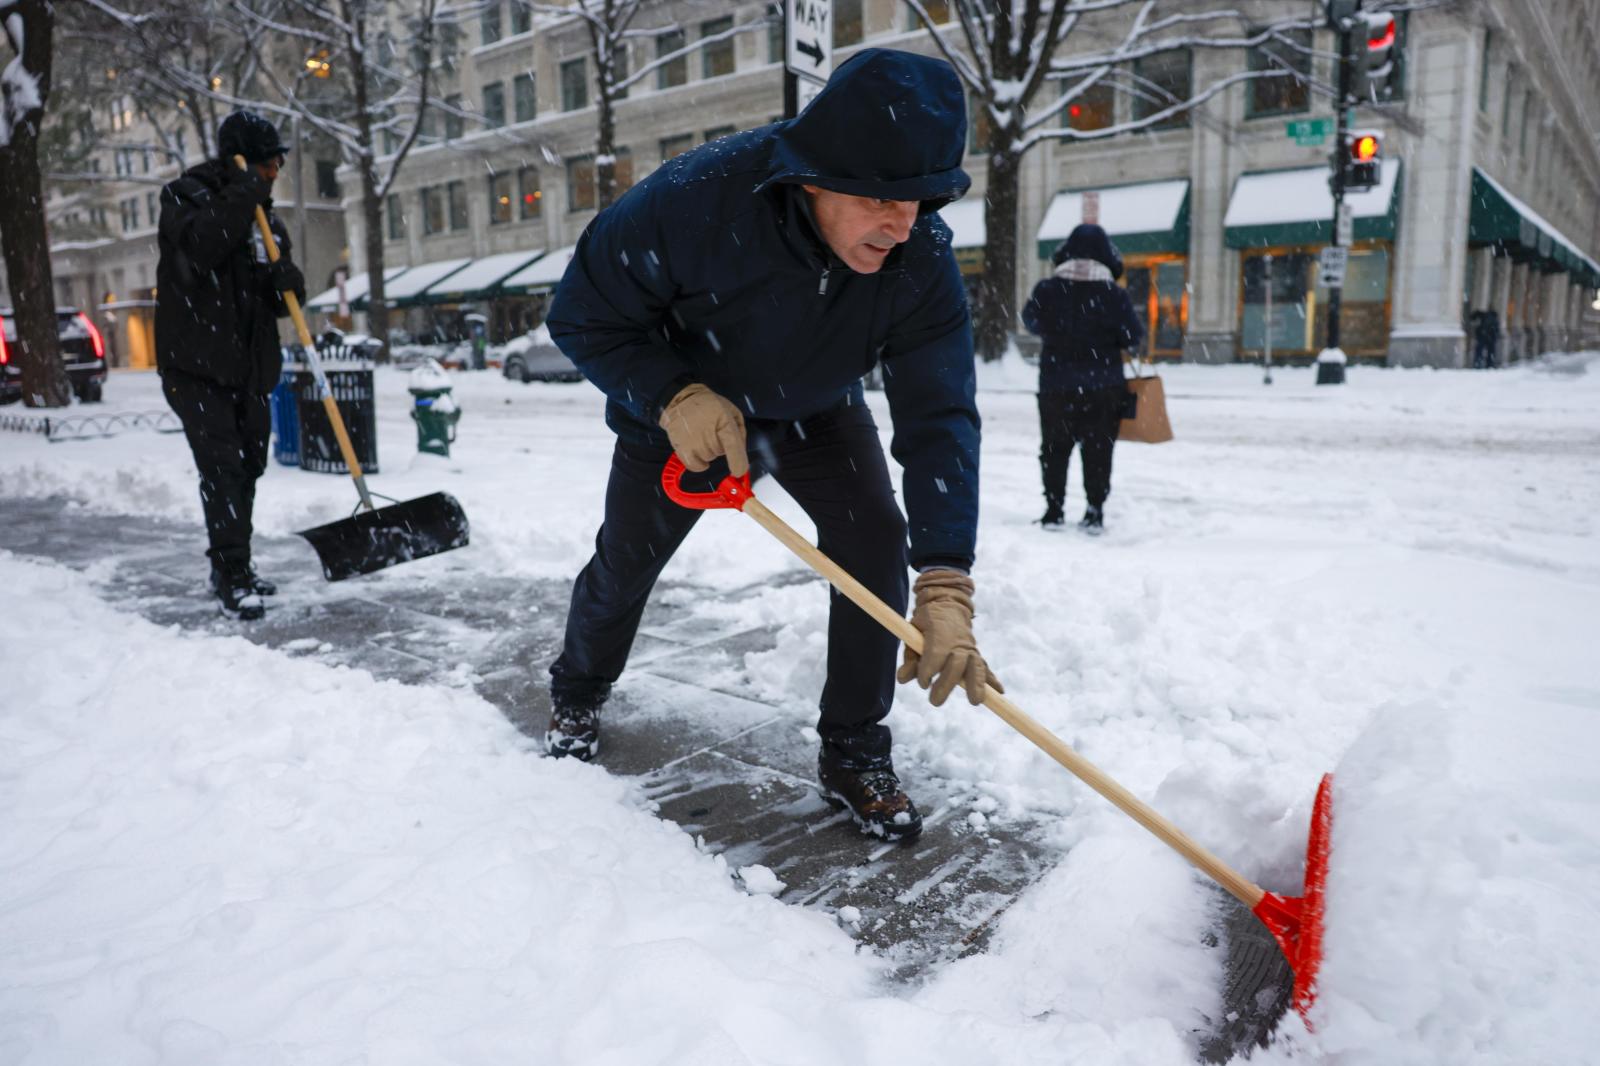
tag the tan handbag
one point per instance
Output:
(1149, 423)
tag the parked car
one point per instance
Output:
(83, 351)
(534, 357)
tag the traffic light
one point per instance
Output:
(1362, 157)
(1372, 61)
(1339, 11)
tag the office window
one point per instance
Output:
(150, 208)
(619, 72)
(181, 141)
(1093, 109)
(846, 23)
(574, 85)
(720, 131)
(675, 146)
(432, 210)
(1289, 50)
(453, 126)
(395, 215)
(622, 170)
(977, 126)
(938, 11)
(716, 59)
(1527, 121)
(580, 183)
(775, 35)
(500, 193)
(521, 17)
(391, 143)
(1483, 74)
(529, 193)
(1161, 81)
(494, 104)
(677, 71)
(524, 99)
(144, 161)
(491, 22)
(458, 205)
(328, 179)
(1505, 104)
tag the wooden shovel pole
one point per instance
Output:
(329, 405)
(1241, 887)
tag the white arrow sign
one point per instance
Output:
(808, 38)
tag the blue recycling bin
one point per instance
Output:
(286, 418)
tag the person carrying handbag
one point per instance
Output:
(1085, 320)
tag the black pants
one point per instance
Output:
(228, 430)
(833, 466)
(1088, 419)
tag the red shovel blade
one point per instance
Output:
(1296, 921)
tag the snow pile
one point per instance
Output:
(1393, 580)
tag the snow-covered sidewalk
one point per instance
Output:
(213, 852)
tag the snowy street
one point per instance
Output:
(232, 851)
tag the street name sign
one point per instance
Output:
(1309, 130)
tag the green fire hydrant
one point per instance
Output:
(434, 410)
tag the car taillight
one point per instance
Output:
(5, 355)
(94, 335)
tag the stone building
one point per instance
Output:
(1486, 221)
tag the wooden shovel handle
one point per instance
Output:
(329, 405)
(1241, 887)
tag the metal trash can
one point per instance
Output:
(352, 388)
(285, 418)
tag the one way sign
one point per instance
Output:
(808, 38)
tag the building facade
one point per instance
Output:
(1482, 239)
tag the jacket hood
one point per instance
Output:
(1089, 241)
(888, 124)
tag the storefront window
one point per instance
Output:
(1287, 276)
(1157, 292)
(1299, 323)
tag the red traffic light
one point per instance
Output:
(1365, 148)
(1380, 33)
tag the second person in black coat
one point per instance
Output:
(1085, 320)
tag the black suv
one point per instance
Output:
(83, 351)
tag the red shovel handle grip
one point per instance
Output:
(734, 492)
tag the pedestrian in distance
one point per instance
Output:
(1085, 320)
(218, 301)
(728, 306)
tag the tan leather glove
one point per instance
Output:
(701, 426)
(943, 614)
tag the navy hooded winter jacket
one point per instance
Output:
(711, 271)
(1085, 325)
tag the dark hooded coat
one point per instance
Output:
(710, 270)
(1085, 325)
(217, 309)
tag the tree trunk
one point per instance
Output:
(23, 234)
(997, 290)
(372, 213)
(371, 201)
(606, 152)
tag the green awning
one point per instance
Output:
(1498, 219)
(1142, 218)
(479, 279)
(1276, 208)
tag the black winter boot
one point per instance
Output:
(261, 585)
(1092, 522)
(238, 598)
(574, 728)
(1054, 519)
(873, 797)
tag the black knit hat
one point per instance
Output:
(248, 134)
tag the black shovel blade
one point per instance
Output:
(372, 540)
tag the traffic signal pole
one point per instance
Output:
(1332, 372)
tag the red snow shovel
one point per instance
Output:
(1294, 921)
(373, 537)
